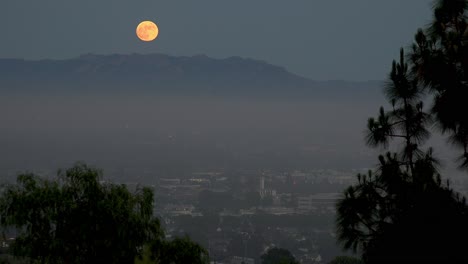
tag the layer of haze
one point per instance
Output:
(174, 134)
(322, 40)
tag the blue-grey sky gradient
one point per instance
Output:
(319, 39)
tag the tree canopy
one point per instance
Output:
(403, 211)
(278, 256)
(439, 64)
(179, 251)
(345, 260)
(78, 218)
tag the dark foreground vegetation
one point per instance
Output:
(77, 218)
(403, 211)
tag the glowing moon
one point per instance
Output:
(147, 31)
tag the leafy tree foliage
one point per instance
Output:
(77, 218)
(278, 256)
(403, 212)
(179, 251)
(345, 260)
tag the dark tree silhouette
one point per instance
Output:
(78, 218)
(278, 256)
(402, 212)
(440, 64)
(345, 260)
(178, 251)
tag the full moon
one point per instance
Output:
(147, 31)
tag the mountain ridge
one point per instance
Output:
(159, 72)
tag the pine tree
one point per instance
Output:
(402, 211)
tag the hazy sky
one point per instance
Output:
(319, 39)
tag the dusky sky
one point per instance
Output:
(318, 39)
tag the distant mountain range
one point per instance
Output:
(168, 74)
